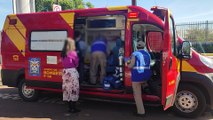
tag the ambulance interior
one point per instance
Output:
(112, 27)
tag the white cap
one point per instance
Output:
(140, 44)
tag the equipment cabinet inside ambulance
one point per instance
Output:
(32, 44)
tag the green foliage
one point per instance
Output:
(199, 34)
(66, 4)
(89, 5)
(46, 5)
(196, 34)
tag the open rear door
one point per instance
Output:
(170, 64)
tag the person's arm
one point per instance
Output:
(82, 45)
(74, 58)
(132, 62)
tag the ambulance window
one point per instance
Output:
(172, 35)
(138, 34)
(150, 34)
(155, 41)
(47, 40)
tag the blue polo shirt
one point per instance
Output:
(99, 45)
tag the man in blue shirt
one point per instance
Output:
(140, 70)
(98, 57)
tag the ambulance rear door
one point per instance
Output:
(43, 58)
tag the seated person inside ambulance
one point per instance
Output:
(98, 57)
(140, 70)
(117, 50)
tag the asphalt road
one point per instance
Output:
(50, 107)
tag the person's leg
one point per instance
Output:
(72, 107)
(102, 59)
(93, 68)
(138, 97)
(74, 87)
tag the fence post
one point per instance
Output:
(206, 30)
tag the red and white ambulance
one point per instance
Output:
(32, 43)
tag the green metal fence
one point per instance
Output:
(196, 31)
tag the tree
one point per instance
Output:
(89, 5)
(46, 5)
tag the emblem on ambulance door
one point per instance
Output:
(34, 66)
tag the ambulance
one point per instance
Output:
(181, 77)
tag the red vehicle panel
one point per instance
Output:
(31, 50)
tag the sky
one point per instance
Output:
(182, 10)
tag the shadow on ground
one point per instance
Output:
(91, 110)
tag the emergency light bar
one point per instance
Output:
(133, 15)
(159, 11)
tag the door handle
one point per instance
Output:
(170, 63)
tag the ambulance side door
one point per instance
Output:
(43, 61)
(43, 58)
(170, 63)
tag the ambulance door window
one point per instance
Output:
(47, 40)
(137, 34)
(173, 36)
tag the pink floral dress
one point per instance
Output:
(70, 76)
(70, 84)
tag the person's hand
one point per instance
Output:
(127, 63)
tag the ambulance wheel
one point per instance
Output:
(190, 102)
(27, 94)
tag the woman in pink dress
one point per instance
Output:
(70, 75)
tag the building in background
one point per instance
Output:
(23, 6)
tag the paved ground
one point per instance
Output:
(50, 107)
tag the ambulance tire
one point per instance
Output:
(190, 102)
(28, 95)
